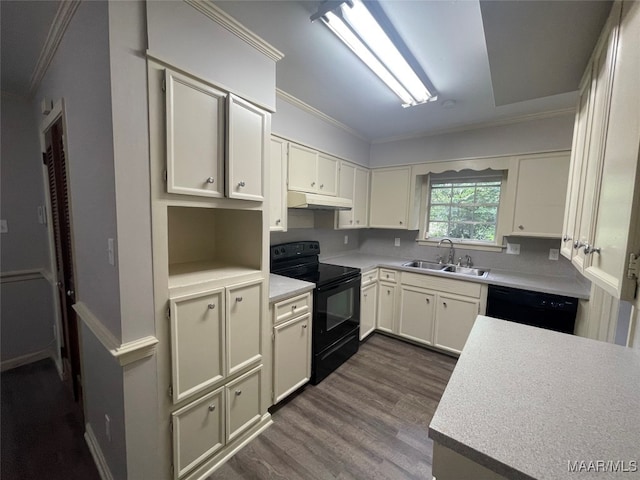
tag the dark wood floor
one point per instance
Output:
(368, 420)
(42, 430)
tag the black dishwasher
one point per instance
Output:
(544, 310)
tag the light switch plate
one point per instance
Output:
(4, 228)
(513, 248)
(396, 242)
(554, 253)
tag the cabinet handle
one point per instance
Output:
(238, 393)
(277, 221)
(388, 292)
(400, 222)
(387, 275)
(428, 301)
(212, 407)
(211, 306)
(241, 184)
(590, 249)
(444, 304)
(520, 227)
(304, 326)
(210, 180)
(322, 185)
(577, 245)
(294, 307)
(313, 184)
(566, 239)
(238, 299)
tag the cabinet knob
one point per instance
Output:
(238, 393)
(241, 184)
(304, 326)
(357, 221)
(278, 222)
(350, 221)
(212, 407)
(238, 299)
(211, 306)
(388, 292)
(400, 222)
(590, 249)
(70, 293)
(210, 180)
(444, 304)
(387, 275)
(577, 245)
(322, 185)
(365, 295)
(294, 307)
(428, 301)
(313, 184)
(566, 239)
(520, 227)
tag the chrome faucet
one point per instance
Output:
(468, 261)
(451, 249)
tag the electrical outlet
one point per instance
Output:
(346, 239)
(107, 427)
(111, 251)
(554, 253)
(513, 248)
(4, 228)
(396, 242)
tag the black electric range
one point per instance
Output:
(336, 303)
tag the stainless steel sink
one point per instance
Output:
(446, 268)
(426, 265)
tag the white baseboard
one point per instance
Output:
(26, 359)
(96, 453)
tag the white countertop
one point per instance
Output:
(284, 287)
(524, 401)
(566, 286)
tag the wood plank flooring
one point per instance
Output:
(42, 430)
(368, 420)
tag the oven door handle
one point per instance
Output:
(339, 284)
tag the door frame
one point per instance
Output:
(56, 113)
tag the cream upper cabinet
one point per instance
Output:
(278, 185)
(368, 303)
(417, 311)
(195, 126)
(248, 129)
(455, 316)
(354, 184)
(311, 171)
(541, 189)
(389, 206)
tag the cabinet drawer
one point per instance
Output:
(292, 307)
(459, 287)
(388, 275)
(243, 403)
(370, 276)
(198, 431)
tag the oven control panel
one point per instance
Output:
(294, 249)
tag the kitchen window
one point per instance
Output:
(464, 206)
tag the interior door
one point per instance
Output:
(55, 161)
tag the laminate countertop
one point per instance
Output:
(566, 286)
(525, 402)
(284, 287)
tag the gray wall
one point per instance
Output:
(331, 241)
(26, 314)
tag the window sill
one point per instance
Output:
(487, 247)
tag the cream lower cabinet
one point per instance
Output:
(387, 300)
(416, 314)
(389, 199)
(455, 316)
(291, 345)
(368, 303)
(243, 403)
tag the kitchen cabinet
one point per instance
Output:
(291, 345)
(354, 184)
(278, 186)
(605, 209)
(455, 316)
(368, 303)
(312, 171)
(244, 320)
(243, 403)
(417, 312)
(389, 199)
(196, 125)
(387, 300)
(541, 187)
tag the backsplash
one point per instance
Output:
(331, 241)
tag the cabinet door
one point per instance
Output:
(368, 309)
(327, 175)
(198, 432)
(291, 356)
(197, 342)
(347, 182)
(195, 137)
(389, 207)
(244, 323)
(302, 168)
(541, 190)
(248, 129)
(580, 138)
(277, 186)
(416, 314)
(361, 198)
(243, 403)
(454, 319)
(386, 306)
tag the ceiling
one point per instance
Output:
(495, 60)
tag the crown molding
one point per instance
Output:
(61, 21)
(208, 8)
(317, 113)
(477, 126)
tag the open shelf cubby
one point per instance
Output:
(211, 243)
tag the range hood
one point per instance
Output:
(312, 201)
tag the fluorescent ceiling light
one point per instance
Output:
(358, 29)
